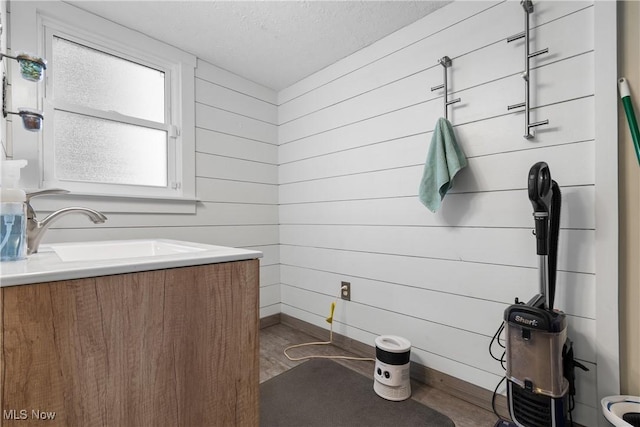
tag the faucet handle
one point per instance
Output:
(45, 192)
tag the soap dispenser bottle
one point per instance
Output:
(13, 225)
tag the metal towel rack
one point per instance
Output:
(527, 5)
(445, 61)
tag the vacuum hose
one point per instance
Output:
(554, 231)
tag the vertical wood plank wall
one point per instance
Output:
(353, 141)
(236, 181)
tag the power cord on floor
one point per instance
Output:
(319, 356)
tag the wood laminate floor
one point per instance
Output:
(274, 339)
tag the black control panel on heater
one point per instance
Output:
(396, 359)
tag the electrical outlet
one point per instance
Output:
(345, 291)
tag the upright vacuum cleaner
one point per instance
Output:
(539, 355)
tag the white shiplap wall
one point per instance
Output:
(236, 166)
(323, 179)
(353, 141)
(3, 71)
(236, 181)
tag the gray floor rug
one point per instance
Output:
(323, 393)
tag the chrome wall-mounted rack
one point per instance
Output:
(445, 61)
(527, 5)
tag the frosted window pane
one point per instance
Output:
(88, 149)
(94, 79)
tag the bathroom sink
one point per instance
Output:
(76, 260)
(99, 251)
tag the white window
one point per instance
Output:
(118, 108)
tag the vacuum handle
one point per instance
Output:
(539, 183)
(540, 194)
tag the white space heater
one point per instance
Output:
(391, 372)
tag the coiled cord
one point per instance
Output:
(319, 356)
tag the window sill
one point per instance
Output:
(117, 204)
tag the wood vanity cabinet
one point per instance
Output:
(174, 347)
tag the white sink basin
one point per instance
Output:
(99, 251)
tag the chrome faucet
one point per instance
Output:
(36, 229)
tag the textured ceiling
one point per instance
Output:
(273, 43)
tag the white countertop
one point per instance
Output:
(47, 265)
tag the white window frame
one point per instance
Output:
(173, 188)
(33, 26)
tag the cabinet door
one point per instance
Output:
(169, 347)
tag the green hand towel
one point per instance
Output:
(444, 160)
